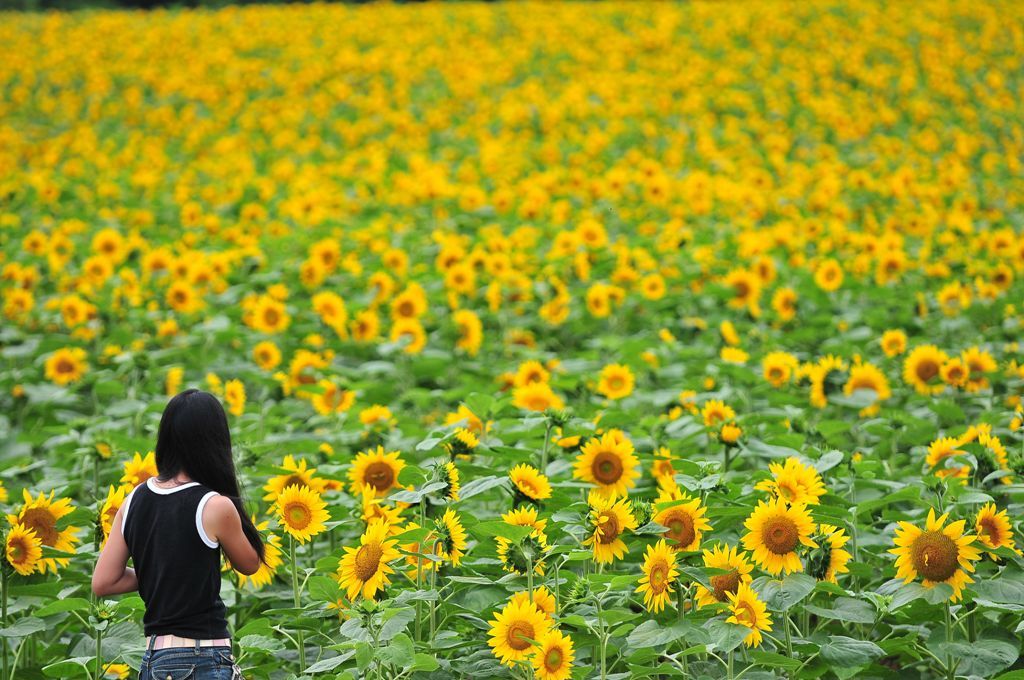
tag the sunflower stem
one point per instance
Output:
(544, 451)
(3, 604)
(730, 674)
(789, 636)
(299, 642)
(725, 462)
(99, 654)
(950, 670)
(681, 600)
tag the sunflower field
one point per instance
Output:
(617, 340)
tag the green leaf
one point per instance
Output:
(773, 660)
(325, 665)
(395, 621)
(480, 485)
(1003, 593)
(71, 604)
(23, 627)
(76, 667)
(651, 634)
(424, 662)
(782, 595)
(982, 658)
(493, 528)
(846, 609)
(262, 643)
(726, 636)
(847, 652)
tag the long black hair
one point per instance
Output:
(194, 438)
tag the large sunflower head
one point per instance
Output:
(375, 509)
(829, 558)
(554, 656)
(139, 469)
(922, 369)
(994, 528)
(41, 515)
(364, 570)
(295, 474)
(794, 482)
(529, 483)
(514, 630)
(24, 550)
(736, 571)
(114, 500)
(376, 469)
(616, 381)
(537, 396)
(716, 411)
(451, 537)
(939, 554)
(748, 610)
(301, 512)
(66, 365)
(609, 520)
(775, 531)
(659, 572)
(609, 463)
(684, 518)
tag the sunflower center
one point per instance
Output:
(989, 529)
(607, 468)
(787, 491)
(270, 316)
(935, 555)
(927, 369)
(745, 614)
(680, 528)
(298, 515)
(725, 583)
(44, 523)
(65, 366)
(608, 526)
(294, 480)
(553, 659)
(368, 561)
(659, 577)
(18, 551)
(380, 476)
(519, 635)
(780, 535)
(615, 382)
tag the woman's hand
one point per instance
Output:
(112, 575)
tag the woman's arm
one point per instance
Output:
(112, 575)
(222, 523)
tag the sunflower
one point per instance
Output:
(376, 468)
(530, 483)
(234, 394)
(514, 629)
(66, 365)
(662, 469)
(536, 397)
(609, 463)
(660, 572)
(609, 520)
(271, 560)
(994, 528)
(778, 367)
(864, 376)
(774, 532)
(416, 551)
(943, 448)
(24, 550)
(450, 476)
(462, 444)
(266, 355)
(374, 509)
(820, 375)
(298, 474)
(116, 671)
(301, 512)
(41, 516)
(554, 656)
(516, 558)
(364, 570)
(470, 331)
(267, 315)
(746, 289)
(451, 537)
(954, 372)
(939, 554)
(541, 597)
(828, 275)
(330, 399)
(139, 469)
(376, 414)
(715, 411)
(411, 332)
(685, 520)
(725, 558)
(922, 369)
(530, 372)
(115, 498)
(979, 362)
(793, 482)
(616, 381)
(894, 342)
(829, 558)
(748, 610)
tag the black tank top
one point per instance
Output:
(176, 563)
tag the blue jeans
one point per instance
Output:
(185, 663)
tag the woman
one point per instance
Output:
(174, 527)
